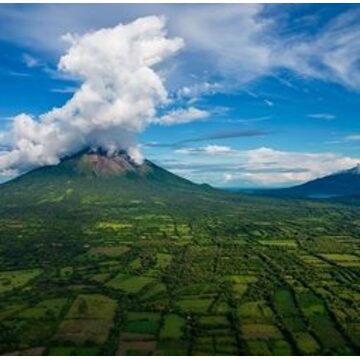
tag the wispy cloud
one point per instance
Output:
(245, 42)
(332, 54)
(235, 43)
(198, 89)
(208, 149)
(268, 103)
(352, 137)
(227, 134)
(6, 118)
(249, 120)
(65, 90)
(182, 116)
(322, 116)
(217, 135)
(345, 139)
(18, 73)
(30, 61)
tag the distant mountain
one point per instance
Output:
(341, 184)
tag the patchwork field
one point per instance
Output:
(155, 280)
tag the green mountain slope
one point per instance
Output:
(96, 177)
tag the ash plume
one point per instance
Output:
(118, 98)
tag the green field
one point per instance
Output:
(44, 309)
(129, 284)
(10, 280)
(142, 323)
(195, 304)
(173, 328)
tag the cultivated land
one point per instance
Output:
(201, 273)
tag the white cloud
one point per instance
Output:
(243, 43)
(230, 40)
(261, 166)
(236, 42)
(296, 167)
(118, 98)
(198, 89)
(182, 116)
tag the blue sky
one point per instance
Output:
(257, 95)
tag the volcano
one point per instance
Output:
(98, 177)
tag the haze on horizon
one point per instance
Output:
(235, 95)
